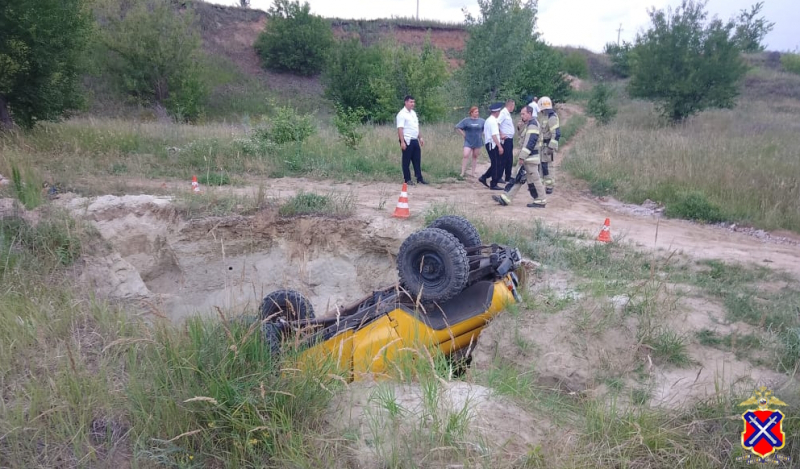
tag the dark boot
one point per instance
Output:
(533, 191)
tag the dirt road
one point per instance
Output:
(571, 207)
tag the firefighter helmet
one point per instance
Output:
(545, 103)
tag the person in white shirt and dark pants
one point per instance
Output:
(411, 142)
(506, 124)
(491, 138)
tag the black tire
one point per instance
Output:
(288, 305)
(459, 227)
(433, 262)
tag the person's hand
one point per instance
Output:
(500, 147)
(421, 142)
(522, 161)
(403, 145)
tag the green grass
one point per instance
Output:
(87, 382)
(70, 152)
(310, 203)
(716, 166)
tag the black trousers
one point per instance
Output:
(412, 155)
(494, 171)
(507, 158)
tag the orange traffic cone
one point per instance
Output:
(195, 184)
(605, 233)
(402, 204)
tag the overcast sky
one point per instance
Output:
(585, 23)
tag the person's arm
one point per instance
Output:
(400, 123)
(460, 128)
(402, 139)
(556, 129)
(500, 121)
(496, 139)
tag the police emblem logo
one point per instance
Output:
(763, 433)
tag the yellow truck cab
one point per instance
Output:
(450, 286)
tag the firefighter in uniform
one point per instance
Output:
(551, 134)
(529, 162)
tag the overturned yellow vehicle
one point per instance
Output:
(450, 286)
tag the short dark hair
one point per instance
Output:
(529, 109)
(408, 98)
(510, 100)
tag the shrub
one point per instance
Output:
(576, 64)
(294, 40)
(538, 74)
(620, 58)
(376, 78)
(348, 123)
(41, 42)
(308, 203)
(685, 65)
(599, 106)
(694, 206)
(27, 188)
(152, 51)
(751, 31)
(503, 29)
(791, 63)
(289, 126)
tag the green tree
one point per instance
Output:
(41, 42)
(620, 58)
(539, 73)
(294, 40)
(153, 53)
(496, 39)
(376, 78)
(751, 30)
(599, 105)
(684, 64)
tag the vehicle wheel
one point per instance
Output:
(286, 304)
(459, 227)
(433, 265)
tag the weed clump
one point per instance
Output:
(694, 206)
(310, 203)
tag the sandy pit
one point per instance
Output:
(181, 267)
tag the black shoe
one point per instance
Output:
(548, 190)
(422, 181)
(483, 181)
(410, 183)
(496, 188)
(535, 205)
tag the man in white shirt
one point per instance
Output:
(506, 124)
(410, 141)
(491, 139)
(534, 104)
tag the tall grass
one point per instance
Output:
(72, 151)
(736, 165)
(86, 383)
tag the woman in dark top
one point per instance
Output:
(471, 128)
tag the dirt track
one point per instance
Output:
(570, 207)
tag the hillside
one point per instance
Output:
(231, 31)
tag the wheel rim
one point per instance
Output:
(431, 267)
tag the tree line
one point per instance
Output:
(151, 51)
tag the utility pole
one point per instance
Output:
(618, 31)
(417, 10)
